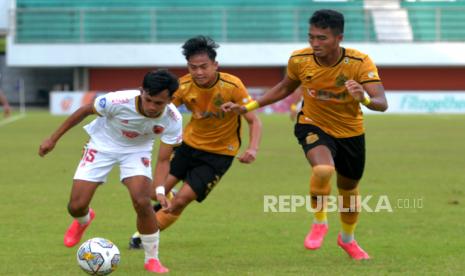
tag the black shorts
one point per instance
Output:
(348, 153)
(200, 169)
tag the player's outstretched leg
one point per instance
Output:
(75, 231)
(320, 188)
(135, 241)
(346, 238)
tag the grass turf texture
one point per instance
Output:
(408, 157)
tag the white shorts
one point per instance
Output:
(95, 166)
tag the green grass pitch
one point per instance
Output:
(410, 159)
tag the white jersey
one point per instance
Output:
(122, 128)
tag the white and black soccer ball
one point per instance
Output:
(98, 256)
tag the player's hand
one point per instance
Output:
(248, 156)
(233, 107)
(164, 202)
(46, 147)
(355, 89)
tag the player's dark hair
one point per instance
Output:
(158, 80)
(200, 45)
(328, 19)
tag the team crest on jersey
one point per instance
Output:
(311, 138)
(103, 102)
(341, 80)
(218, 100)
(145, 161)
(157, 129)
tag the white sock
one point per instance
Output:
(346, 237)
(150, 244)
(84, 219)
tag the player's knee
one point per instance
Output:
(142, 205)
(322, 173)
(321, 177)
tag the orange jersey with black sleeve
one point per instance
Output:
(210, 129)
(327, 103)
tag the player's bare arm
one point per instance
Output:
(281, 90)
(255, 133)
(74, 119)
(377, 99)
(162, 169)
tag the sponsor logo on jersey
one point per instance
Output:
(173, 115)
(157, 129)
(120, 101)
(125, 122)
(103, 102)
(130, 134)
(145, 161)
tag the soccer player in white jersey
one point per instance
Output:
(123, 134)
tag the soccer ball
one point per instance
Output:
(98, 256)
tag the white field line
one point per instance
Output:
(11, 119)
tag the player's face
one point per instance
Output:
(324, 42)
(202, 69)
(153, 106)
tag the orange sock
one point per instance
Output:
(164, 219)
(349, 219)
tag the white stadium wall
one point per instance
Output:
(230, 54)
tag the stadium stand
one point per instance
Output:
(436, 20)
(86, 21)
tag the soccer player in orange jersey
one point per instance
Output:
(335, 82)
(212, 137)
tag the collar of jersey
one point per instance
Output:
(211, 86)
(141, 112)
(343, 53)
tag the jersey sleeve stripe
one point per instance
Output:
(300, 55)
(368, 81)
(230, 82)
